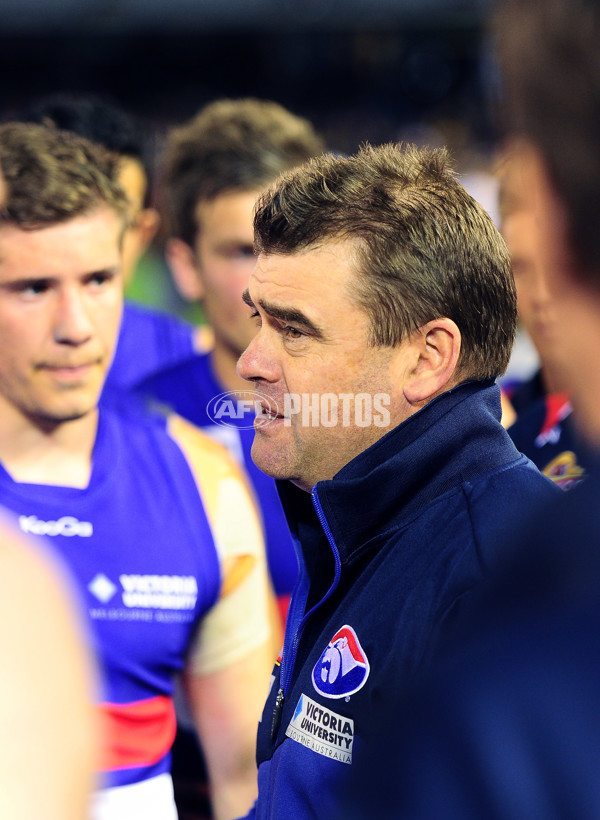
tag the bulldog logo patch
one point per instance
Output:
(343, 667)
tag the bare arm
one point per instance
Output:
(228, 668)
(48, 750)
(227, 681)
(227, 707)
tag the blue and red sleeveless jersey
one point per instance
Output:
(138, 543)
(149, 340)
(189, 390)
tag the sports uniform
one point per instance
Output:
(190, 389)
(149, 340)
(545, 433)
(148, 541)
(389, 548)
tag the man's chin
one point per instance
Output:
(55, 417)
(267, 462)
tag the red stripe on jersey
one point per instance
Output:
(136, 734)
(557, 408)
(283, 604)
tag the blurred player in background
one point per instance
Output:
(543, 428)
(216, 165)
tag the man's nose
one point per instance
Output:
(73, 323)
(541, 293)
(258, 361)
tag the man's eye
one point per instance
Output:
(239, 252)
(34, 288)
(100, 278)
(292, 332)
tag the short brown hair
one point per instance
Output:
(230, 145)
(550, 59)
(52, 176)
(426, 249)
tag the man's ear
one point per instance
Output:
(435, 349)
(148, 222)
(182, 262)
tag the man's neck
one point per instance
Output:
(59, 455)
(551, 381)
(224, 361)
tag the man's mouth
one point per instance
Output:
(69, 371)
(267, 411)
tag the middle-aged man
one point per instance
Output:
(153, 519)
(385, 309)
(507, 723)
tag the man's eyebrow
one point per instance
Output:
(246, 298)
(296, 317)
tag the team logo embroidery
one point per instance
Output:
(343, 667)
(564, 470)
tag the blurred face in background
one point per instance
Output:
(143, 222)
(572, 338)
(225, 259)
(521, 232)
(216, 270)
(533, 299)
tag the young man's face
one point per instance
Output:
(60, 308)
(225, 259)
(576, 306)
(533, 300)
(313, 340)
(143, 221)
(520, 229)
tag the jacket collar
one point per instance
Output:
(453, 438)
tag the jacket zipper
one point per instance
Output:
(288, 657)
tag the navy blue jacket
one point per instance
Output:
(505, 725)
(389, 549)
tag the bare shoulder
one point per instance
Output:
(200, 448)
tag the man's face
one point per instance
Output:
(313, 340)
(225, 260)
(60, 307)
(533, 300)
(576, 306)
(142, 221)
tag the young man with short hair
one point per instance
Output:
(149, 339)
(216, 165)
(140, 510)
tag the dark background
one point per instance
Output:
(359, 69)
